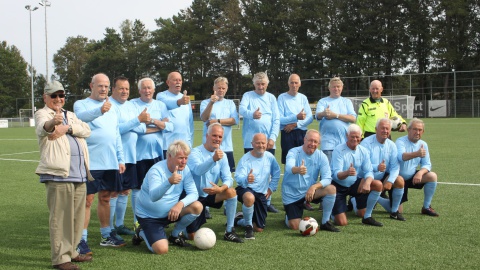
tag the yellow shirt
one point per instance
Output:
(371, 110)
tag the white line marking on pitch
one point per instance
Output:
(18, 139)
(459, 184)
(19, 153)
(22, 160)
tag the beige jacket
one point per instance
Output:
(55, 154)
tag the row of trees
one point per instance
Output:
(315, 38)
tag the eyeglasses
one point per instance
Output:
(57, 95)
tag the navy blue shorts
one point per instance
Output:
(246, 150)
(142, 168)
(295, 210)
(409, 184)
(231, 161)
(290, 140)
(129, 177)
(340, 205)
(201, 219)
(104, 180)
(154, 228)
(259, 207)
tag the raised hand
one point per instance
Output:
(218, 155)
(176, 177)
(422, 152)
(251, 177)
(58, 118)
(257, 114)
(301, 115)
(351, 170)
(302, 170)
(144, 117)
(185, 99)
(106, 106)
(382, 166)
(213, 98)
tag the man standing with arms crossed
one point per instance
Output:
(106, 156)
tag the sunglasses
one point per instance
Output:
(57, 95)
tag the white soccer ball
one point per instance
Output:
(205, 238)
(396, 123)
(308, 226)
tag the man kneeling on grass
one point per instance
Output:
(304, 164)
(159, 203)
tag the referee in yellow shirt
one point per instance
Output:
(375, 107)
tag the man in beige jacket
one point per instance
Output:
(64, 169)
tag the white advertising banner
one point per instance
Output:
(437, 108)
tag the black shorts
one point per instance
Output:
(231, 161)
(104, 180)
(201, 219)
(259, 207)
(290, 140)
(154, 228)
(295, 210)
(142, 168)
(129, 177)
(409, 184)
(340, 205)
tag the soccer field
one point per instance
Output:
(451, 241)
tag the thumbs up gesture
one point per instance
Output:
(58, 118)
(422, 152)
(106, 106)
(176, 177)
(382, 166)
(251, 177)
(257, 114)
(302, 170)
(218, 154)
(184, 100)
(144, 116)
(213, 98)
(301, 115)
(351, 170)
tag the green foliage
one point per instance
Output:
(14, 79)
(447, 242)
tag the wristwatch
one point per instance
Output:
(152, 121)
(218, 120)
(338, 115)
(69, 131)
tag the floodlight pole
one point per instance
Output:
(45, 4)
(30, 9)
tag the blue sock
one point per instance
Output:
(269, 200)
(134, 202)
(397, 194)
(230, 208)
(327, 203)
(113, 206)
(121, 209)
(354, 204)
(385, 203)
(105, 231)
(142, 234)
(371, 201)
(85, 234)
(247, 215)
(181, 224)
(428, 191)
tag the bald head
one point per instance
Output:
(376, 89)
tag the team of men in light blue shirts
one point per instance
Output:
(177, 182)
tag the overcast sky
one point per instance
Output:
(67, 18)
